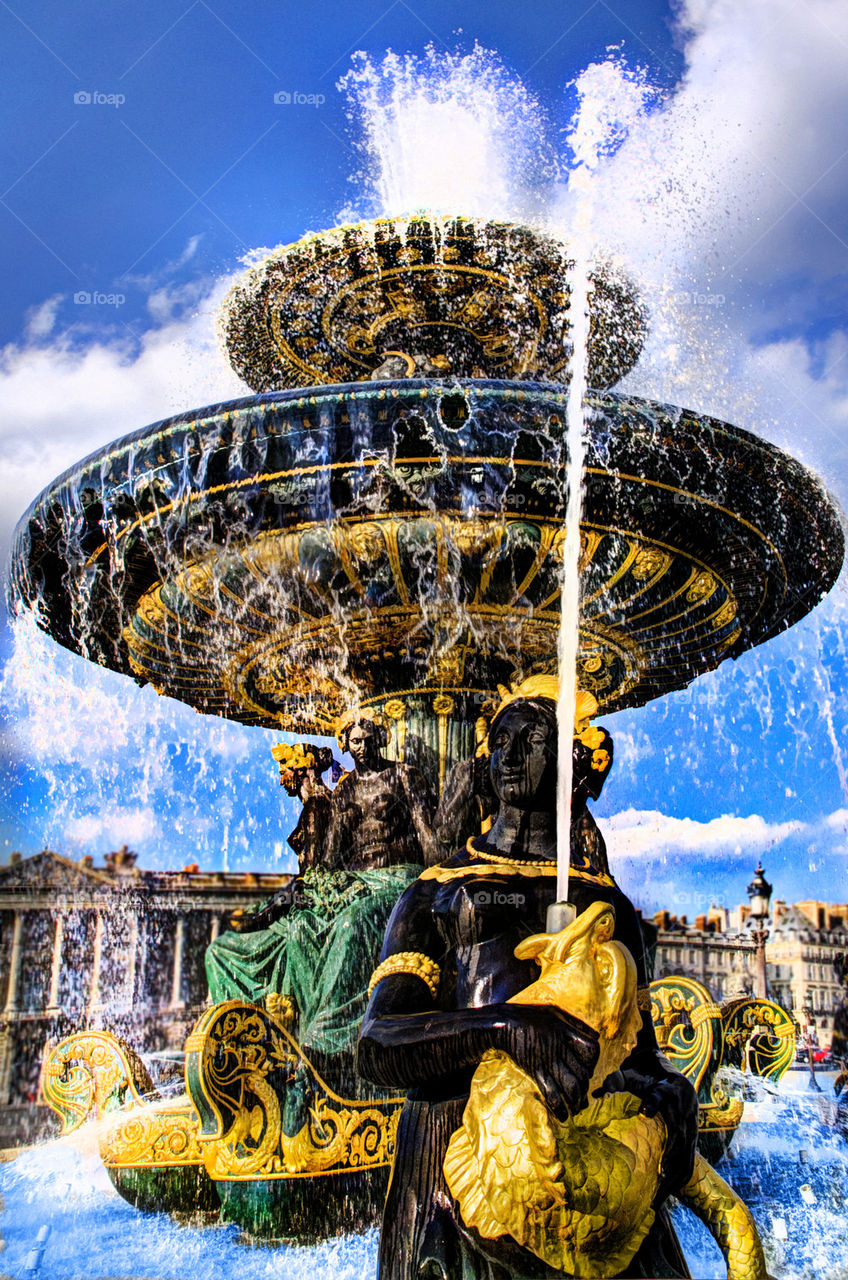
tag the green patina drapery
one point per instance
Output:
(321, 953)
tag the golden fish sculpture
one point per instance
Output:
(579, 1194)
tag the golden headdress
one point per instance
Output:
(547, 686)
(298, 755)
(355, 716)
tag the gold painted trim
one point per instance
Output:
(415, 963)
(431, 460)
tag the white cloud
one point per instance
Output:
(60, 400)
(755, 122)
(727, 201)
(41, 319)
(113, 827)
(648, 833)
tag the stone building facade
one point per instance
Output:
(111, 946)
(803, 949)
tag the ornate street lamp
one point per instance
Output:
(759, 895)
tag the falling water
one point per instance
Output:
(599, 126)
(568, 639)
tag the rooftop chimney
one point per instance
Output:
(121, 861)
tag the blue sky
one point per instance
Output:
(144, 155)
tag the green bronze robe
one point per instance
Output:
(321, 953)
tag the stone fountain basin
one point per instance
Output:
(276, 558)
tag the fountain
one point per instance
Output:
(379, 531)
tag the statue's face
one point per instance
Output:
(291, 779)
(523, 761)
(362, 743)
(288, 780)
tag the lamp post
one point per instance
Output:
(759, 894)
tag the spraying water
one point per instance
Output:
(608, 104)
(568, 640)
(498, 162)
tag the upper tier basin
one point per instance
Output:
(280, 558)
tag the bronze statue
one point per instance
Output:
(467, 803)
(310, 951)
(446, 994)
(302, 767)
(302, 772)
(382, 811)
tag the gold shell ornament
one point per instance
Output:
(580, 1194)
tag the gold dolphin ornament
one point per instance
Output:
(579, 1194)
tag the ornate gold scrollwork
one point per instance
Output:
(722, 1114)
(153, 1135)
(93, 1075)
(240, 1063)
(687, 1025)
(89, 1074)
(689, 1030)
(759, 1036)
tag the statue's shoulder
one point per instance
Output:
(456, 864)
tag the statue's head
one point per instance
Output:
(298, 760)
(522, 741)
(523, 754)
(363, 734)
